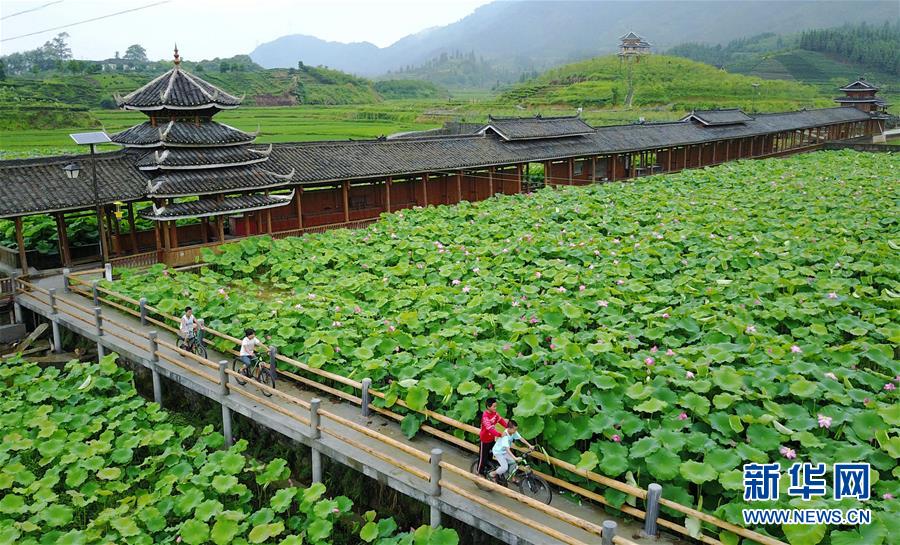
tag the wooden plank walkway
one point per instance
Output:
(395, 461)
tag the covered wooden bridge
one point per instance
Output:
(184, 181)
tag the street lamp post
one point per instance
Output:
(72, 170)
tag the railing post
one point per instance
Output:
(315, 434)
(154, 371)
(143, 306)
(54, 321)
(654, 493)
(17, 308)
(226, 411)
(95, 292)
(98, 320)
(366, 397)
(435, 489)
(107, 271)
(273, 359)
(609, 532)
(67, 286)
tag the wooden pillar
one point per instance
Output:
(459, 186)
(174, 225)
(518, 178)
(490, 182)
(63, 238)
(593, 169)
(20, 243)
(547, 173)
(131, 226)
(714, 145)
(387, 193)
(685, 157)
(259, 222)
(298, 202)
(571, 171)
(167, 235)
(346, 190)
(159, 245)
(247, 224)
(268, 218)
(425, 189)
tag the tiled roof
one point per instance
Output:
(30, 186)
(859, 85)
(40, 185)
(450, 128)
(630, 36)
(211, 207)
(178, 90)
(333, 161)
(718, 117)
(200, 158)
(525, 128)
(182, 133)
(183, 183)
(856, 100)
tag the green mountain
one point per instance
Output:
(660, 81)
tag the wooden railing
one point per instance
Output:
(219, 374)
(337, 385)
(9, 257)
(135, 261)
(7, 288)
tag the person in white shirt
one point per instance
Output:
(503, 453)
(188, 327)
(248, 346)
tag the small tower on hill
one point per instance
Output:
(633, 46)
(861, 95)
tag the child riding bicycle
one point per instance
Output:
(188, 328)
(248, 347)
(503, 453)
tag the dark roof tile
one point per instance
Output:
(182, 133)
(525, 128)
(210, 207)
(178, 90)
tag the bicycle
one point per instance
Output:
(256, 371)
(523, 477)
(195, 344)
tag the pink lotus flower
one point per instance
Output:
(689, 374)
(665, 315)
(456, 282)
(178, 539)
(337, 349)
(537, 274)
(796, 349)
(356, 309)
(670, 352)
(582, 287)
(788, 453)
(392, 328)
(649, 361)
(682, 416)
(654, 349)
(534, 319)
(887, 496)
(832, 295)
(603, 304)
(824, 421)
(561, 289)
(750, 329)
(596, 252)
(832, 376)
(336, 324)
(552, 346)
(515, 303)
(591, 266)
(298, 306)
(615, 261)
(165, 273)
(311, 296)
(615, 241)
(890, 386)
(476, 270)
(616, 438)
(620, 282)
(466, 289)
(507, 346)
(337, 309)
(757, 302)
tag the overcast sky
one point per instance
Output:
(205, 29)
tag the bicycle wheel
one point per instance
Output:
(536, 488)
(474, 470)
(198, 348)
(237, 365)
(263, 376)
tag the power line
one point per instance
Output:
(85, 21)
(24, 11)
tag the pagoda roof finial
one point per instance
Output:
(177, 59)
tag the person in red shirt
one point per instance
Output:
(489, 432)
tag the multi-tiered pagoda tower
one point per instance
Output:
(198, 168)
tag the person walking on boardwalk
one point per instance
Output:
(489, 432)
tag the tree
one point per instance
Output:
(135, 53)
(58, 48)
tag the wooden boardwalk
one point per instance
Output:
(373, 445)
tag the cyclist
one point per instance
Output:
(503, 453)
(188, 328)
(489, 432)
(248, 346)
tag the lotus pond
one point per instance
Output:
(84, 459)
(667, 330)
